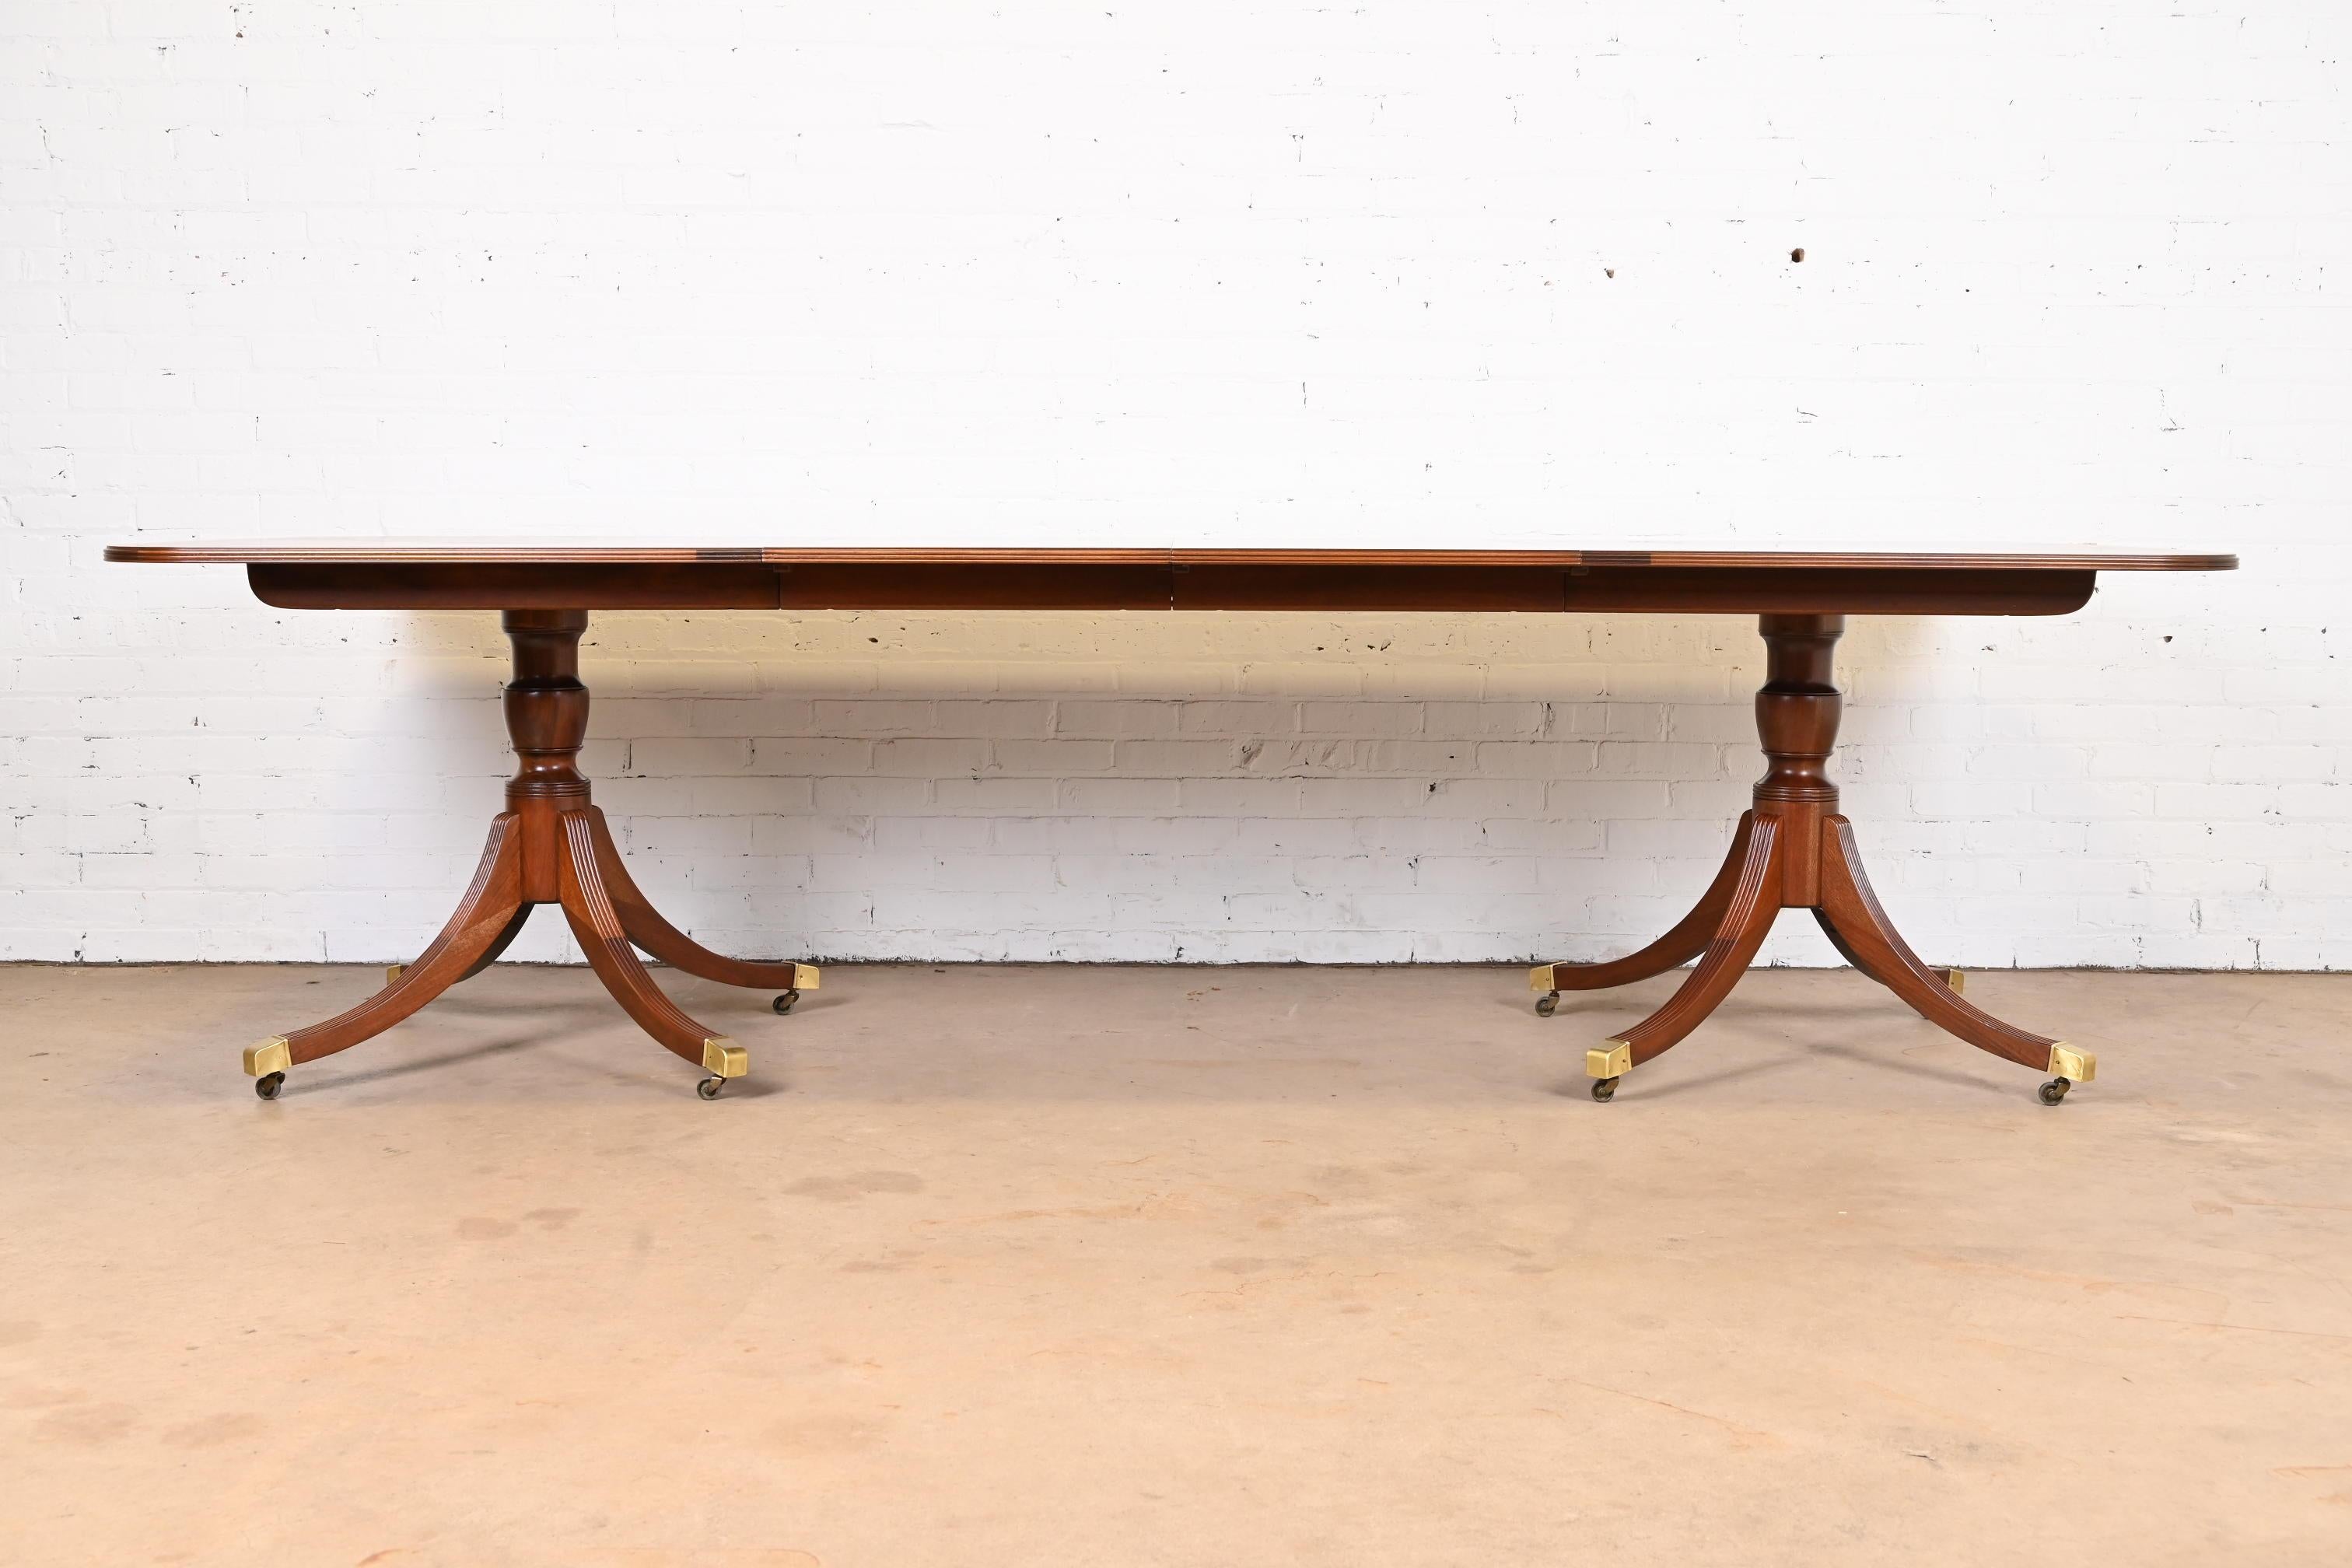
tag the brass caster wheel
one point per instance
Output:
(2056, 1090)
(784, 1003)
(709, 1087)
(268, 1084)
(1605, 1090)
(1547, 1005)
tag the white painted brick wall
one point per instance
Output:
(1404, 274)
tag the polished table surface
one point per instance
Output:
(395, 574)
(551, 845)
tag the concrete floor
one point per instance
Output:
(1044, 1267)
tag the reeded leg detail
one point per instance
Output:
(1954, 978)
(588, 905)
(484, 915)
(1746, 918)
(496, 949)
(644, 925)
(491, 954)
(1850, 912)
(1677, 947)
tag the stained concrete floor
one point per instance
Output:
(1046, 1267)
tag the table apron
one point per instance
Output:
(1078, 585)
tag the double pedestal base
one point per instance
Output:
(551, 845)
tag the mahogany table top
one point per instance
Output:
(456, 551)
(462, 574)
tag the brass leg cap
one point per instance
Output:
(392, 972)
(266, 1057)
(2067, 1062)
(1613, 1059)
(1539, 977)
(1958, 979)
(724, 1057)
(804, 977)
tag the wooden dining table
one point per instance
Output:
(1792, 849)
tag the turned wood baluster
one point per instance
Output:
(547, 719)
(1797, 715)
